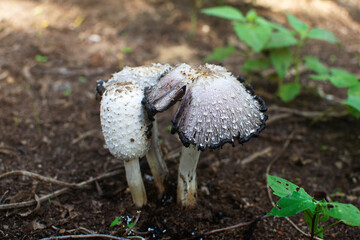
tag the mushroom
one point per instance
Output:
(215, 108)
(146, 77)
(124, 126)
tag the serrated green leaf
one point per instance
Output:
(298, 25)
(226, 12)
(220, 54)
(115, 222)
(283, 188)
(292, 205)
(281, 39)
(256, 64)
(319, 77)
(289, 91)
(342, 78)
(322, 34)
(281, 59)
(347, 213)
(314, 64)
(253, 34)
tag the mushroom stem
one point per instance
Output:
(156, 162)
(187, 185)
(135, 182)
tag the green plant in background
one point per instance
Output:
(269, 44)
(339, 78)
(294, 200)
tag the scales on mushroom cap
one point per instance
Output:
(215, 108)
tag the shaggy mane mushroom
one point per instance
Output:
(118, 116)
(215, 108)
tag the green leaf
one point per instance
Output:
(353, 100)
(40, 58)
(256, 64)
(319, 77)
(299, 26)
(289, 91)
(322, 34)
(292, 204)
(115, 222)
(251, 15)
(126, 50)
(220, 54)
(253, 34)
(342, 78)
(226, 12)
(281, 39)
(82, 79)
(354, 112)
(67, 92)
(269, 24)
(281, 59)
(282, 187)
(314, 64)
(347, 213)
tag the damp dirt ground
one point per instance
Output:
(53, 52)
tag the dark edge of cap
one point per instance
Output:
(186, 142)
(100, 89)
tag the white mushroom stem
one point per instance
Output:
(135, 182)
(156, 162)
(187, 185)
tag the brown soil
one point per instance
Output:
(49, 121)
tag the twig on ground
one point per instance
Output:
(243, 224)
(86, 236)
(58, 192)
(42, 178)
(136, 220)
(85, 134)
(9, 151)
(38, 204)
(87, 72)
(254, 156)
(4, 195)
(315, 115)
(268, 168)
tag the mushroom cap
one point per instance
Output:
(124, 122)
(215, 107)
(144, 76)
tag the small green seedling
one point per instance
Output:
(294, 200)
(41, 59)
(125, 223)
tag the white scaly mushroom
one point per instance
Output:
(215, 109)
(125, 126)
(146, 77)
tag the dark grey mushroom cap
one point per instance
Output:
(215, 107)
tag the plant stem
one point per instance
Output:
(297, 59)
(156, 162)
(187, 186)
(135, 182)
(327, 227)
(313, 225)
